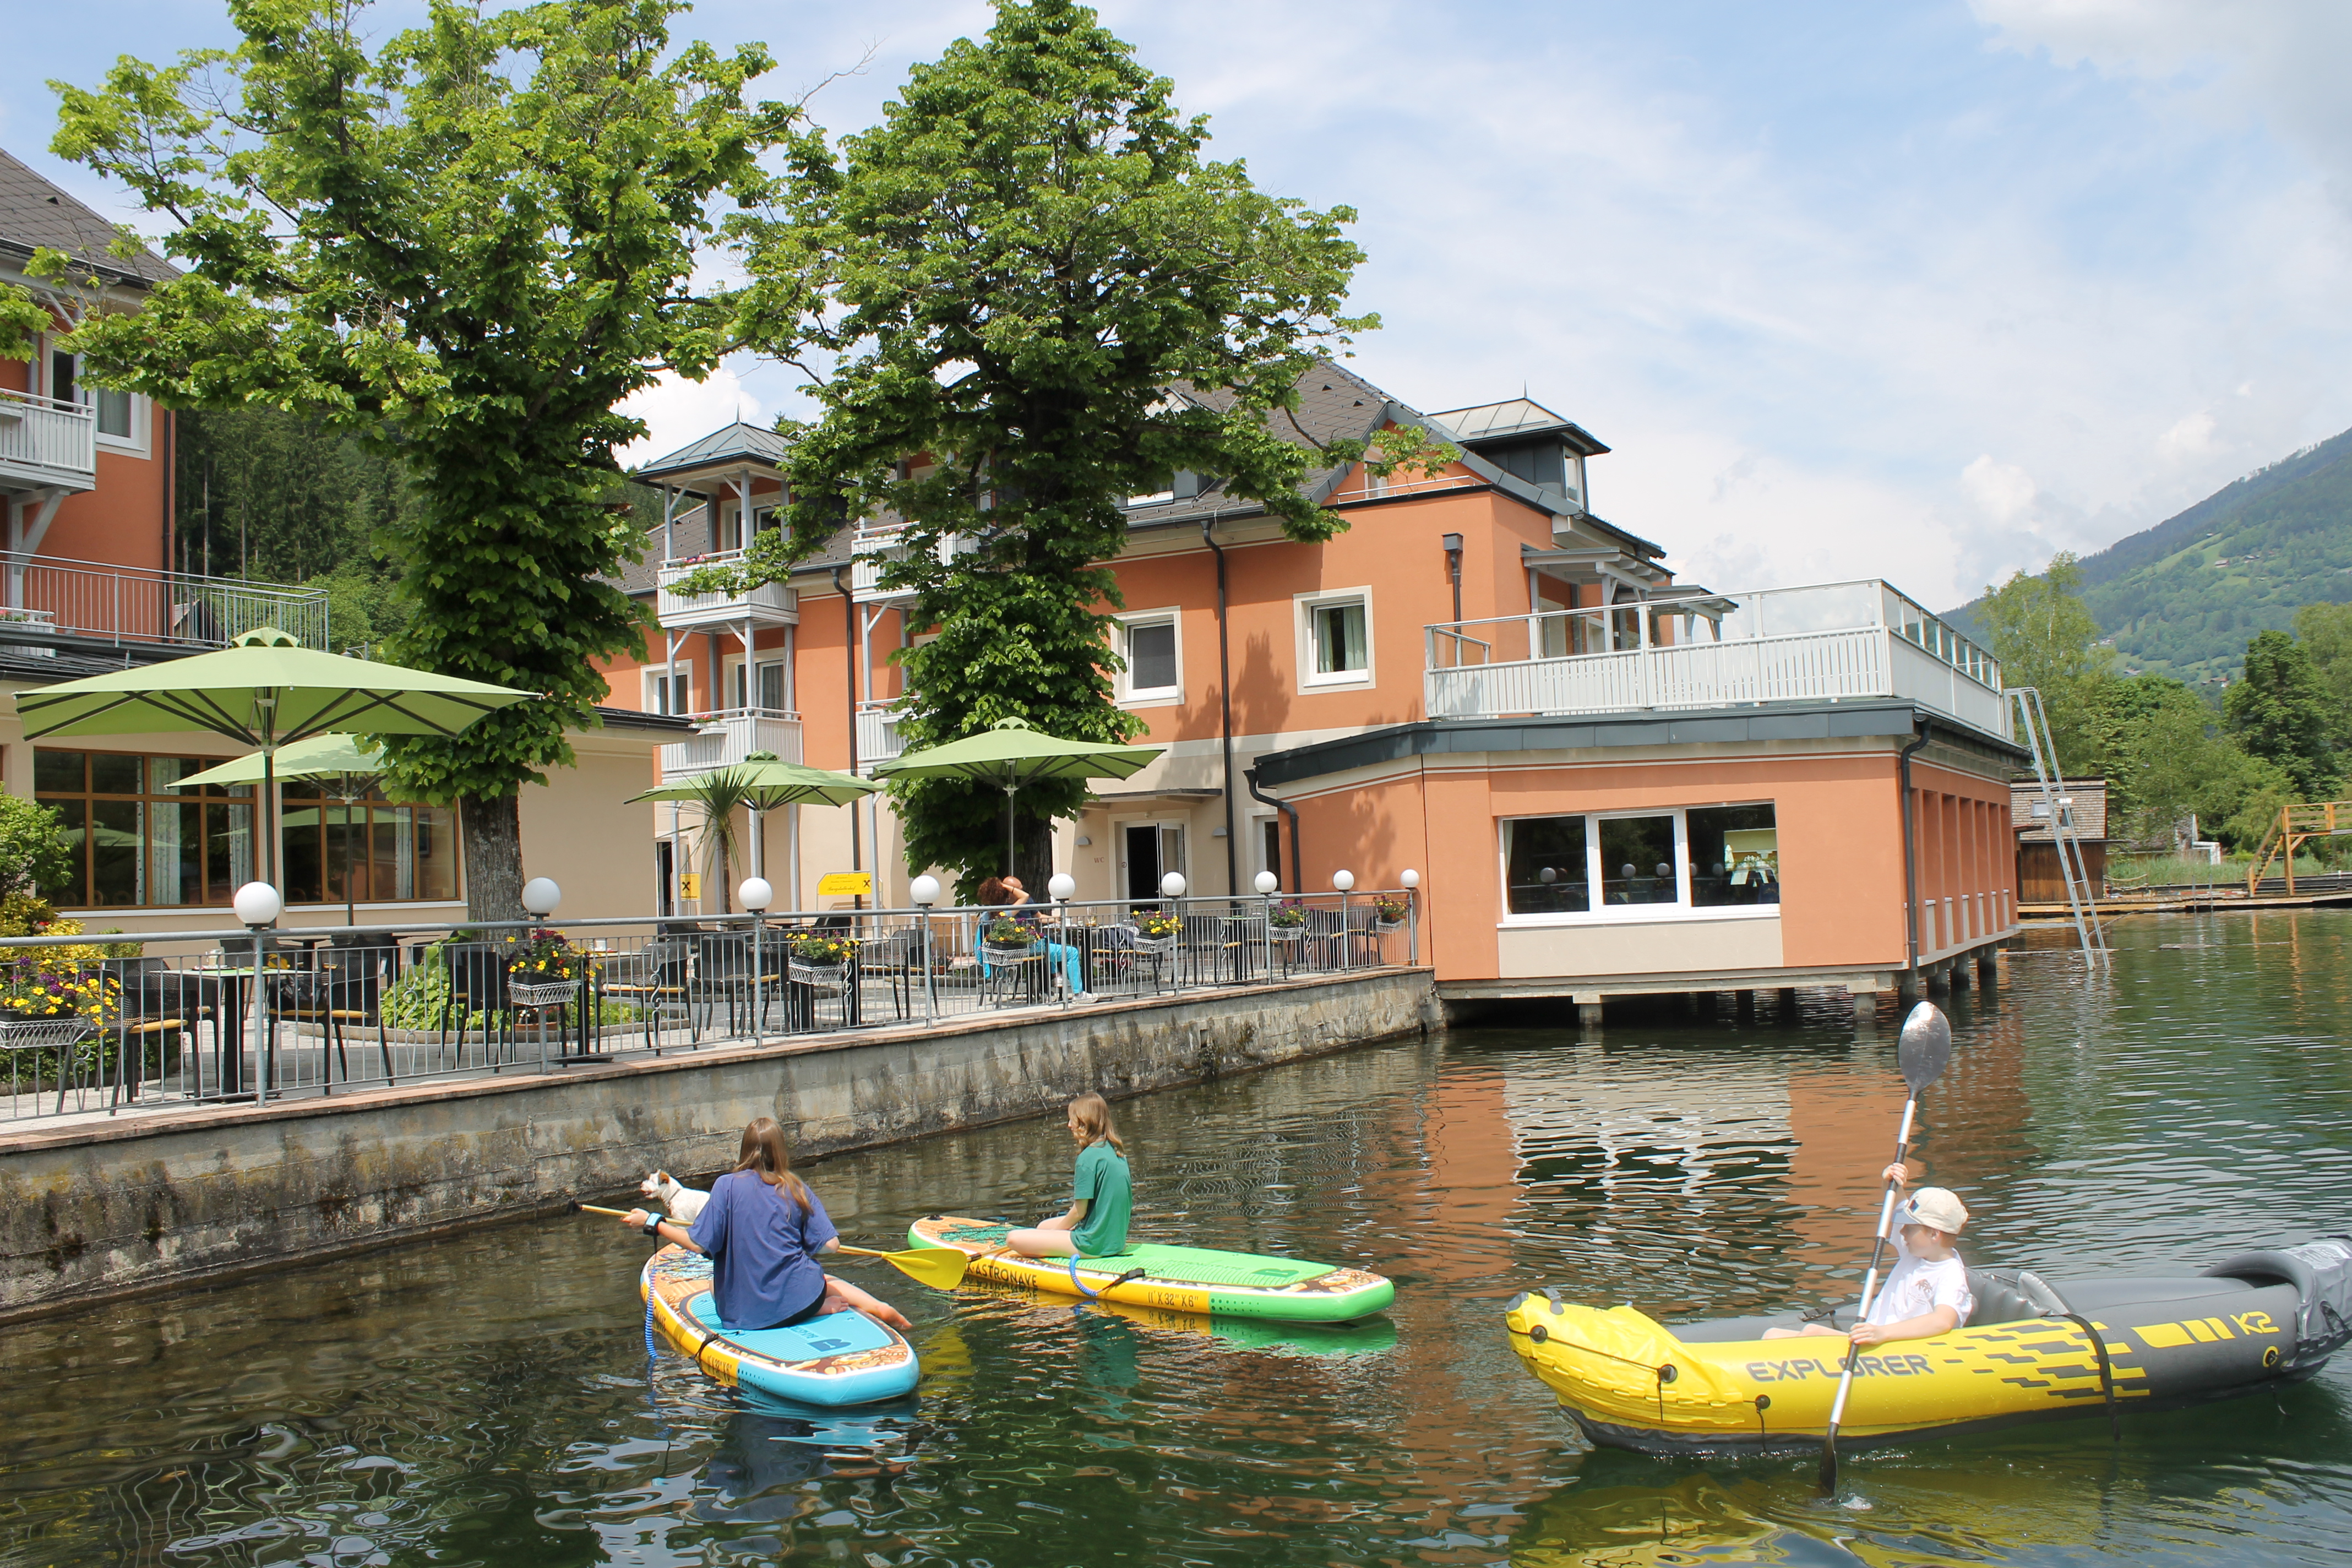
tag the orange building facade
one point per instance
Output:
(1609, 782)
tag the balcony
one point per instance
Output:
(874, 546)
(127, 605)
(878, 734)
(44, 443)
(1833, 643)
(771, 605)
(728, 738)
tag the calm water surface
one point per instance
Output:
(489, 1399)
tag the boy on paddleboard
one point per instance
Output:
(1101, 1192)
(1926, 1293)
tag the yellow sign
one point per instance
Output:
(846, 885)
(689, 885)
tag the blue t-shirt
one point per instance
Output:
(761, 1243)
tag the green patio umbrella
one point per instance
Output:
(267, 690)
(768, 782)
(346, 767)
(1008, 753)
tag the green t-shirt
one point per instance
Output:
(1102, 1182)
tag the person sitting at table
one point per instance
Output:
(1007, 893)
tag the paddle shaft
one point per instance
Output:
(1869, 1292)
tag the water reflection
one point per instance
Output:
(489, 1399)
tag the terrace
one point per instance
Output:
(729, 737)
(1690, 649)
(44, 442)
(132, 604)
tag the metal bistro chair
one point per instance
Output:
(478, 984)
(897, 957)
(161, 1010)
(723, 970)
(654, 980)
(343, 988)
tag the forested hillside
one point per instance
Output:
(2184, 597)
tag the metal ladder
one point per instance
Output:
(2034, 726)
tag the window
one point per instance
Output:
(1735, 856)
(1544, 869)
(1269, 830)
(370, 851)
(1147, 644)
(763, 688)
(1638, 865)
(115, 413)
(673, 695)
(1336, 637)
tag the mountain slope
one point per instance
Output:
(2183, 597)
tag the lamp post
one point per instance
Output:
(1266, 883)
(926, 892)
(1059, 887)
(1171, 888)
(539, 898)
(756, 895)
(258, 905)
(1409, 879)
(1344, 880)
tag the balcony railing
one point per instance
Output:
(878, 734)
(1836, 642)
(127, 605)
(44, 442)
(771, 605)
(727, 737)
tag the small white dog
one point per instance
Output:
(684, 1203)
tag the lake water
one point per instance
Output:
(489, 1399)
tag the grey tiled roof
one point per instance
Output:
(34, 212)
(738, 442)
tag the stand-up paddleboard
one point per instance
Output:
(1173, 1279)
(841, 1358)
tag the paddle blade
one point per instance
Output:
(1829, 1466)
(940, 1268)
(1926, 1047)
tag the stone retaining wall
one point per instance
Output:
(157, 1200)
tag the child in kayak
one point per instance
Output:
(1926, 1292)
(1096, 1226)
(763, 1229)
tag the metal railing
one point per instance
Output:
(770, 604)
(727, 737)
(1834, 642)
(47, 441)
(341, 1008)
(130, 603)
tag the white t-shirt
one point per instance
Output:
(1917, 1287)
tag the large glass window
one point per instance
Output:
(1637, 860)
(1545, 865)
(1702, 857)
(1735, 853)
(139, 844)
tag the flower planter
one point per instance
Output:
(544, 992)
(822, 976)
(1009, 953)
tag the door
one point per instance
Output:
(1147, 852)
(663, 865)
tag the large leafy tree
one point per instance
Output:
(2046, 638)
(1024, 297)
(2326, 631)
(2157, 742)
(470, 242)
(2279, 711)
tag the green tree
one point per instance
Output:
(2326, 631)
(2160, 746)
(34, 851)
(1026, 297)
(473, 241)
(2279, 711)
(2046, 639)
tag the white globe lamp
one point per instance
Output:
(1060, 887)
(756, 894)
(540, 896)
(258, 904)
(1268, 882)
(925, 892)
(1171, 886)
(1343, 881)
(1409, 879)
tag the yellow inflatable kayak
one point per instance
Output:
(2033, 1351)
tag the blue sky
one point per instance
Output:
(1926, 291)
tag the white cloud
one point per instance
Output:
(2191, 438)
(678, 412)
(2005, 492)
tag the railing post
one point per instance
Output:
(930, 990)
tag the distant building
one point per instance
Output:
(2039, 879)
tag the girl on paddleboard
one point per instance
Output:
(762, 1229)
(1102, 1195)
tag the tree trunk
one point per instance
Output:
(1033, 853)
(493, 831)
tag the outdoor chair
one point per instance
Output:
(477, 985)
(161, 1010)
(722, 970)
(654, 980)
(897, 957)
(345, 987)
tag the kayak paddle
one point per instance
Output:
(1926, 1046)
(941, 1268)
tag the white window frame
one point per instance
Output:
(1682, 909)
(648, 674)
(139, 443)
(731, 663)
(1133, 696)
(1304, 606)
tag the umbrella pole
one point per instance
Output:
(1013, 783)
